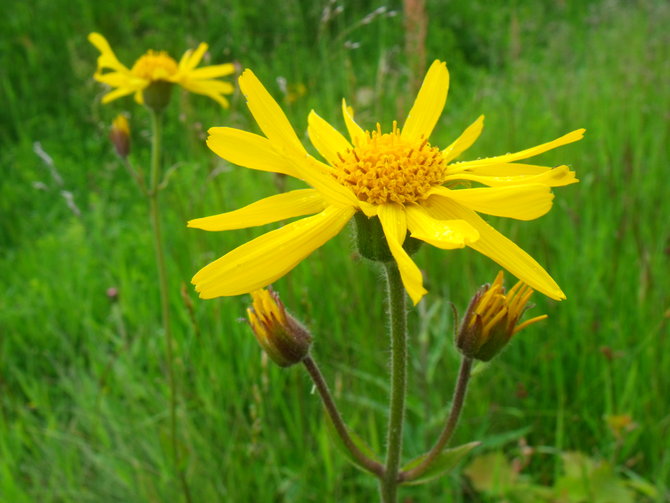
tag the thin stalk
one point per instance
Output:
(154, 211)
(398, 327)
(137, 176)
(327, 399)
(450, 424)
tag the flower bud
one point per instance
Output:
(282, 337)
(492, 319)
(120, 136)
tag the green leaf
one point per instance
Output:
(358, 442)
(444, 462)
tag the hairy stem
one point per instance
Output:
(398, 328)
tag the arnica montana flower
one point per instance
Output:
(398, 176)
(158, 66)
(492, 319)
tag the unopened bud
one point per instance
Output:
(492, 319)
(120, 136)
(283, 338)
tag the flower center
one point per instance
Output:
(388, 168)
(155, 65)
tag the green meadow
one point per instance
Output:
(576, 409)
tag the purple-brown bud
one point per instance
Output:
(283, 338)
(492, 319)
(120, 136)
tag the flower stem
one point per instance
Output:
(321, 386)
(450, 424)
(154, 210)
(398, 329)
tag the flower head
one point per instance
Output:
(492, 319)
(158, 67)
(397, 177)
(282, 337)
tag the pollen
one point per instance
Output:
(155, 65)
(384, 167)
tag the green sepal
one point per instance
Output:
(444, 462)
(358, 441)
(157, 95)
(371, 240)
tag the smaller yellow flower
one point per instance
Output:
(159, 66)
(120, 135)
(282, 337)
(492, 319)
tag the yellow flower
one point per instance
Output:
(158, 66)
(399, 177)
(492, 319)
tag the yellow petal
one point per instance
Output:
(356, 133)
(256, 152)
(247, 149)
(523, 202)
(429, 103)
(269, 115)
(267, 258)
(500, 169)
(115, 79)
(523, 154)
(209, 86)
(393, 220)
(212, 72)
(192, 58)
(325, 138)
(497, 247)
(465, 141)
(370, 210)
(117, 93)
(551, 177)
(214, 89)
(271, 209)
(317, 174)
(445, 234)
(107, 58)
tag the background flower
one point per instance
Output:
(155, 66)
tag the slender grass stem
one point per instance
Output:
(450, 424)
(322, 387)
(154, 211)
(398, 328)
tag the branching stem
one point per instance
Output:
(335, 417)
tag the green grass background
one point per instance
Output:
(83, 388)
